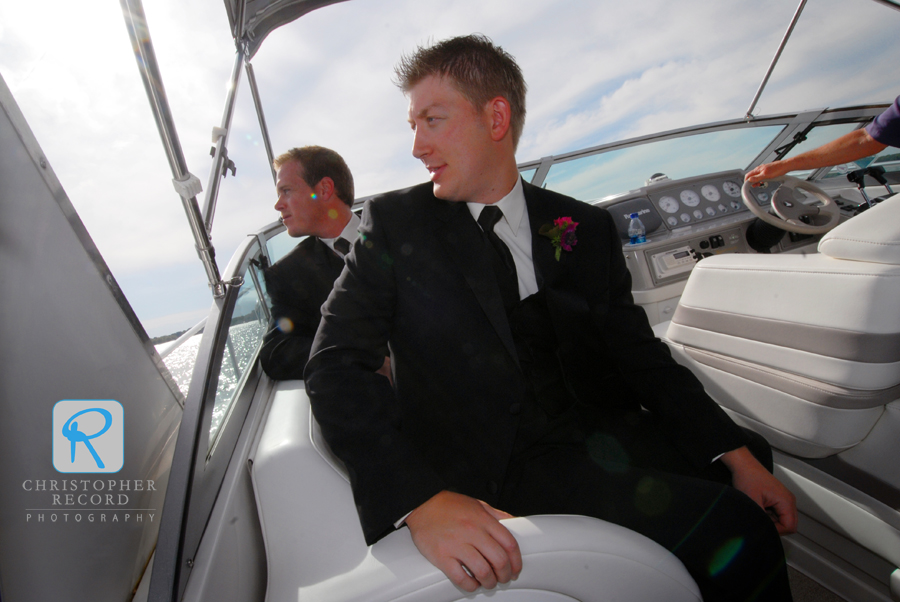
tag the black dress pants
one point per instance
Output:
(728, 544)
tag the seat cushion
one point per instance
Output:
(874, 235)
(803, 348)
(315, 548)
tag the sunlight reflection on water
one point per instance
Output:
(181, 361)
(243, 342)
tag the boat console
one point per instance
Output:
(694, 218)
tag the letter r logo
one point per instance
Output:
(88, 435)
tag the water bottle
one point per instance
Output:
(636, 230)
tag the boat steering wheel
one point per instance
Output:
(788, 211)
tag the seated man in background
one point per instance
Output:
(884, 131)
(315, 193)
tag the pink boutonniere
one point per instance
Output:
(561, 234)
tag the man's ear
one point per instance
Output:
(500, 115)
(324, 189)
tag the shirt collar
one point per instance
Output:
(512, 206)
(350, 232)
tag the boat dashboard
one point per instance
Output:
(689, 219)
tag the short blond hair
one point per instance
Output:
(479, 70)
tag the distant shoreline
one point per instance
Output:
(167, 337)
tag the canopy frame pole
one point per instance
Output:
(186, 184)
(220, 135)
(257, 102)
(784, 41)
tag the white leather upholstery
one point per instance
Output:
(803, 348)
(874, 239)
(315, 548)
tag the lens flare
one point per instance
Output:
(652, 496)
(724, 555)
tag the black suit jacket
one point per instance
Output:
(420, 277)
(298, 285)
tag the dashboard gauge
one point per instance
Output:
(731, 189)
(672, 221)
(698, 214)
(690, 198)
(685, 217)
(762, 196)
(710, 193)
(722, 208)
(710, 211)
(668, 204)
(735, 205)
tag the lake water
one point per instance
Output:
(181, 361)
(244, 340)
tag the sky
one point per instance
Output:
(597, 70)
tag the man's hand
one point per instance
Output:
(385, 369)
(457, 533)
(751, 477)
(766, 172)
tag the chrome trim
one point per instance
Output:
(139, 33)
(259, 288)
(257, 102)
(792, 122)
(221, 163)
(778, 52)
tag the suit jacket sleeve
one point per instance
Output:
(287, 343)
(649, 374)
(355, 406)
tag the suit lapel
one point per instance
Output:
(566, 304)
(462, 239)
(541, 212)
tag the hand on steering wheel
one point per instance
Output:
(788, 210)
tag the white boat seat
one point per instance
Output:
(805, 349)
(315, 548)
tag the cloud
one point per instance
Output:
(597, 72)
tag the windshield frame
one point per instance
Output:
(793, 124)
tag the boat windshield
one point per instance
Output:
(889, 158)
(598, 176)
(605, 174)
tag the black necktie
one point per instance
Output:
(342, 246)
(501, 258)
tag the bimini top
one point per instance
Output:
(253, 20)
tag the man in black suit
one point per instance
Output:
(516, 348)
(315, 194)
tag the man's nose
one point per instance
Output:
(279, 203)
(420, 146)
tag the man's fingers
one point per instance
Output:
(475, 561)
(459, 575)
(785, 516)
(506, 540)
(511, 555)
(462, 537)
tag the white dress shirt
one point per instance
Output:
(514, 229)
(350, 232)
